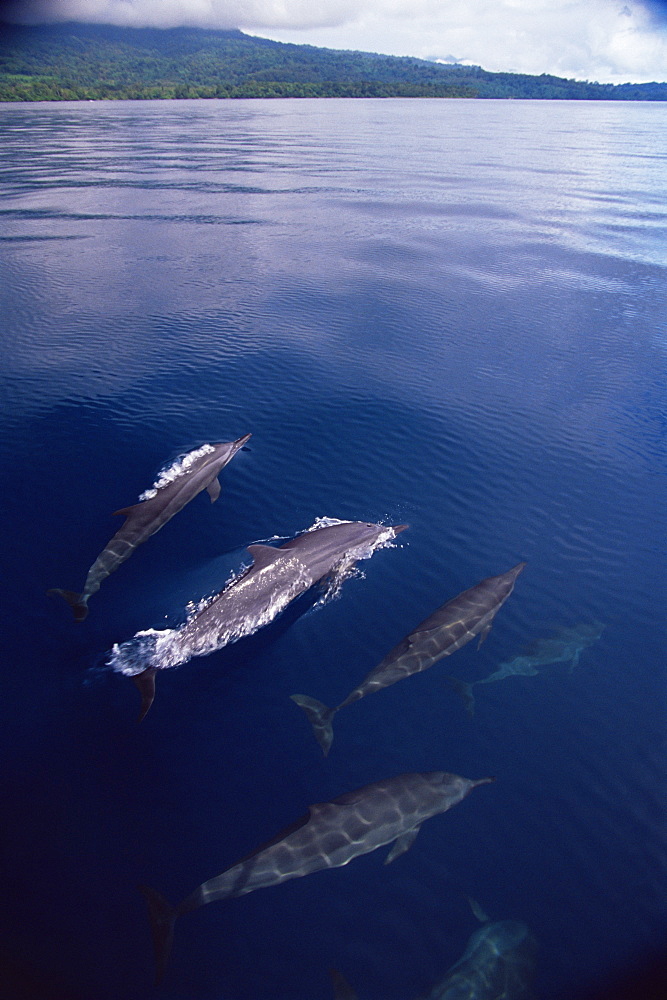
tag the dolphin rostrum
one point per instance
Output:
(329, 835)
(176, 486)
(449, 628)
(565, 646)
(253, 599)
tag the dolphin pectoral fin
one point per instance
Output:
(401, 845)
(162, 916)
(483, 634)
(341, 987)
(320, 717)
(75, 601)
(464, 689)
(213, 490)
(575, 661)
(145, 681)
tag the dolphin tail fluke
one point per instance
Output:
(320, 717)
(464, 689)
(75, 601)
(145, 681)
(162, 916)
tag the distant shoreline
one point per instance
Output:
(332, 97)
(92, 62)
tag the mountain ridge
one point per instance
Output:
(77, 61)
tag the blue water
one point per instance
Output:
(443, 313)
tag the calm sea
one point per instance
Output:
(450, 314)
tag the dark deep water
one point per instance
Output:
(450, 314)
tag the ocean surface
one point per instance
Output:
(450, 314)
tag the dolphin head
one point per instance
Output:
(366, 532)
(452, 787)
(224, 451)
(505, 935)
(331, 543)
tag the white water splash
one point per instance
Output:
(266, 592)
(177, 468)
(347, 568)
(201, 634)
(139, 652)
(247, 602)
(324, 522)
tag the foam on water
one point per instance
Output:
(177, 468)
(143, 650)
(347, 568)
(168, 648)
(324, 522)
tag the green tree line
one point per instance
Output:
(68, 62)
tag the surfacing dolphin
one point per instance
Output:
(565, 646)
(175, 487)
(277, 576)
(449, 628)
(329, 835)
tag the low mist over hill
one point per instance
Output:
(85, 61)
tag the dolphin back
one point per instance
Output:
(499, 961)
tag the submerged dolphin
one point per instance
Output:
(449, 628)
(499, 961)
(497, 964)
(329, 835)
(253, 599)
(565, 646)
(176, 486)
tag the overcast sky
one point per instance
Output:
(610, 41)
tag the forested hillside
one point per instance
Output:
(83, 61)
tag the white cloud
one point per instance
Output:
(599, 40)
(604, 40)
(302, 14)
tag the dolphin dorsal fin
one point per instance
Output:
(418, 635)
(264, 555)
(341, 987)
(477, 910)
(127, 511)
